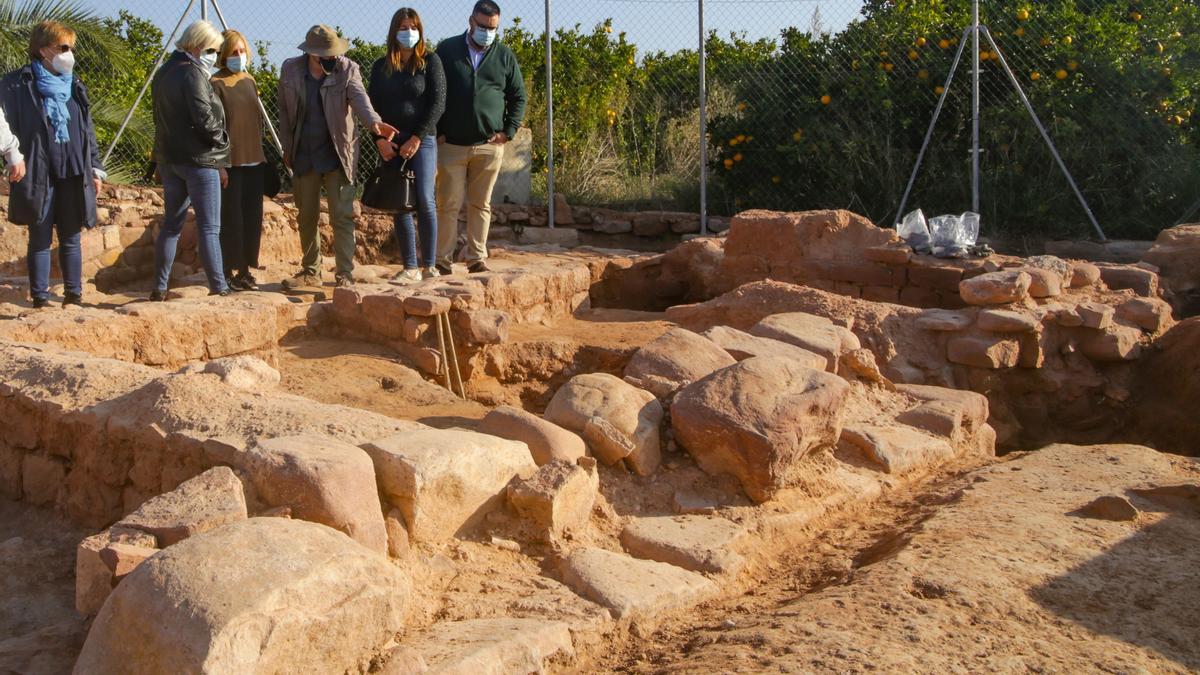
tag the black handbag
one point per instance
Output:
(391, 187)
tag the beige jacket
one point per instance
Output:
(344, 98)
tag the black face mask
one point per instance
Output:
(328, 65)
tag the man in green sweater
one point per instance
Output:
(485, 103)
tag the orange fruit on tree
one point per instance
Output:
(1061, 74)
(912, 55)
(939, 90)
(728, 163)
(741, 138)
(1022, 15)
(1035, 76)
(944, 43)
(1072, 65)
(1136, 16)
(923, 74)
(888, 67)
(921, 41)
(827, 99)
(776, 179)
(796, 136)
(1020, 31)
(737, 157)
(1067, 39)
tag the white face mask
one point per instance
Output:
(236, 64)
(209, 61)
(484, 37)
(63, 62)
(408, 38)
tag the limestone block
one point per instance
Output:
(323, 480)
(619, 421)
(757, 421)
(547, 441)
(808, 331)
(897, 449)
(1150, 314)
(983, 352)
(482, 326)
(945, 320)
(996, 288)
(632, 588)
(1007, 321)
(698, 543)
(426, 305)
(742, 346)
(1084, 274)
(558, 498)
(675, 359)
(490, 646)
(1116, 343)
(260, 595)
(206, 502)
(93, 577)
(445, 480)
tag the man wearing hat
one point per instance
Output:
(320, 94)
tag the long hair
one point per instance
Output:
(394, 60)
(232, 38)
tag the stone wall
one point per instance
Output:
(97, 437)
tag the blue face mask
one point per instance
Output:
(484, 37)
(236, 64)
(408, 37)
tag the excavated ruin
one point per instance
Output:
(275, 482)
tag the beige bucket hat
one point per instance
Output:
(324, 41)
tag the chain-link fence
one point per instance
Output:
(810, 103)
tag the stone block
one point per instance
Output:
(705, 544)
(1139, 280)
(384, 313)
(944, 320)
(619, 421)
(632, 588)
(262, 595)
(496, 646)
(983, 352)
(444, 481)
(1043, 283)
(1114, 344)
(323, 480)
(1007, 321)
(1084, 275)
(482, 326)
(996, 288)
(1149, 314)
(896, 449)
(809, 331)
(937, 277)
(893, 255)
(558, 498)
(121, 559)
(206, 502)
(41, 478)
(741, 346)
(93, 577)
(1094, 315)
(547, 441)
(674, 359)
(426, 305)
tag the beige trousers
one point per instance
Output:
(466, 172)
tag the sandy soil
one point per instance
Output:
(39, 629)
(995, 570)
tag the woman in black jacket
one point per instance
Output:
(408, 89)
(49, 112)
(191, 146)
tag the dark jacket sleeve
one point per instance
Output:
(199, 106)
(375, 86)
(514, 97)
(435, 95)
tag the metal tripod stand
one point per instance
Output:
(973, 31)
(167, 47)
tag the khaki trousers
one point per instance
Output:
(466, 172)
(339, 194)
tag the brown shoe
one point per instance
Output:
(343, 281)
(477, 267)
(444, 269)
(302, 279)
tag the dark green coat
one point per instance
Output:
(480, 102)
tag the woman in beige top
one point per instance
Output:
(242, 182)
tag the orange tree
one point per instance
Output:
(836, 120)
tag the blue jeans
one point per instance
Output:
(185, 185)
(62, 211)
(424, 167)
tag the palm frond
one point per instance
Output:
(95, 43)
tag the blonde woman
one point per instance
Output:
(191, 147)
(242, 182)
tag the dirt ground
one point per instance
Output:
(39, 629)
(993, 570)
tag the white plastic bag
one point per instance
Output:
(914, 230)
(952, 236)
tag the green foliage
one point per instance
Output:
(1115, 85)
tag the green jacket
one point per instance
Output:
(480, 102)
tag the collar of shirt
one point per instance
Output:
(475, 51)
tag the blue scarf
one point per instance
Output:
(55, 91)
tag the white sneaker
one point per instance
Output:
(430, 273)
(408, 276)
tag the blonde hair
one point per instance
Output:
(232, 38)
(49, 34)
(200, 35)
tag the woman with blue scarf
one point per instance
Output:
(50, 114)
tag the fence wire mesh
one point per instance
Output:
(811, 103)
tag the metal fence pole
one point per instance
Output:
(204, 10)
(975, 106)
(703, 127)
(549, 122)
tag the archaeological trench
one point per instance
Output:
(795, 446)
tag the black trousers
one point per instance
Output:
(241, 218)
